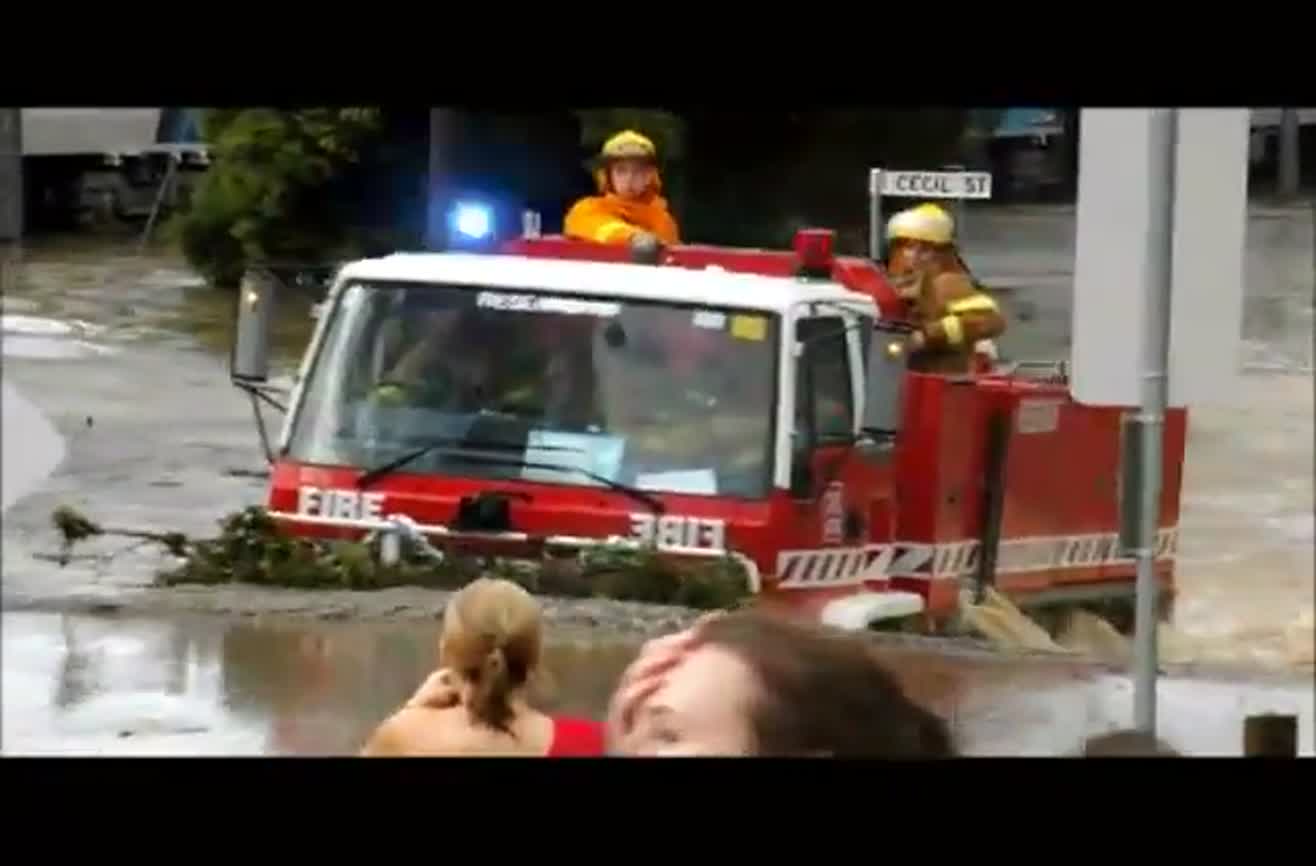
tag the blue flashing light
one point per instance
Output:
(472, 220)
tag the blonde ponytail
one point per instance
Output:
(491, 695)
(491, 638)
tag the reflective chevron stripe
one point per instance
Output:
(842, 566)
(835, 566)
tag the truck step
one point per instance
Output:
(857, 612)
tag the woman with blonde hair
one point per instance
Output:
(489, 648)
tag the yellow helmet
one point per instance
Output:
(927, 223)
(628, 144)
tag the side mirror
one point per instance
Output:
(250, 359)
(884, 388)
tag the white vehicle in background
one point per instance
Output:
(98, 163)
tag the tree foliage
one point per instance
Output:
(268, 194)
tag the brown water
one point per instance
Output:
(1246, 568)
(106, 289)
(76, 685)
(200, 686)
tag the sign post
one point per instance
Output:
(960, 210)
(1162, 209)
(1155, 391)
(11, 174)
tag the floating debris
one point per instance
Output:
(73, 527)
(247, 473)
(250, 549)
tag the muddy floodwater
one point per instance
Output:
(82, 685)
(116, 401)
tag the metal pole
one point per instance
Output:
(443, 136)
(1155, 393)
(961, 206)
(875, 214)
(11, 174)
(1289, 175)
(169, 178)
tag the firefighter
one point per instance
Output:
(957, 319)
(628, 208)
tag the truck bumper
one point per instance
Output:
(395, 529)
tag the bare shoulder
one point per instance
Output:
(410, 731)
(426, 732)
(386, 740)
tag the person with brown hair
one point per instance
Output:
(750, 684)
(489, 648)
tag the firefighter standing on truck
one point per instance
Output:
(629, 207)
(953, 314)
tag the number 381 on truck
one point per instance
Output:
(709, 402)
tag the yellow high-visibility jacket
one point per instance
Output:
(610, 219)
(955, 315)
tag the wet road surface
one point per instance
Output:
(125, 357)
(137, 386)
(77, 685)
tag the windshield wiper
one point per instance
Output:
(370, 476)
(655, 504)
(463, 455)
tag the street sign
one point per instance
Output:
(1113, 261)
(950, 184)
(937, 184)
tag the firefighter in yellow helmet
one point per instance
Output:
(957, 320)
(629, 203)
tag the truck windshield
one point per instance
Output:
(656, 396)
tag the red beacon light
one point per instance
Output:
(814, 252)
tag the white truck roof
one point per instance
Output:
(711, 287)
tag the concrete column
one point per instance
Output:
(1289, 176)
(11, 174)
(443, 132)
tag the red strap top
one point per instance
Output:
(576, 738)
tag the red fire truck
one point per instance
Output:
(554, 394)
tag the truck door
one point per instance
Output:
(827, 490)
